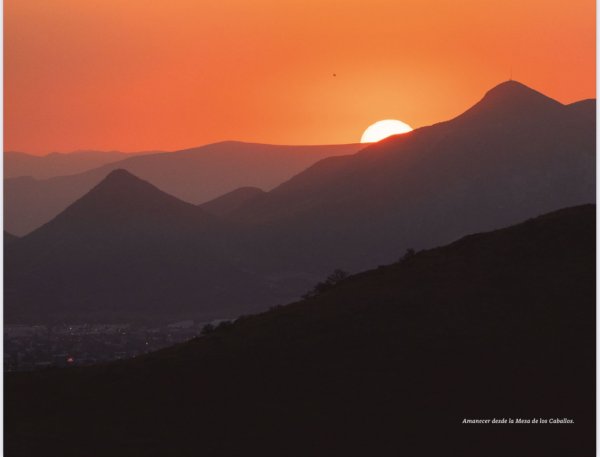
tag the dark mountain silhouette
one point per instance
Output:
(9, 238)
(508, 101)
(127, 251)
(232, 201)
(583, 107)
(496, 164)
(195, 175)
(387, 362)
(17, 164)
(514, 154)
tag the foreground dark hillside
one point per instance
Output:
(388, 362)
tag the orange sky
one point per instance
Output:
(145, 75)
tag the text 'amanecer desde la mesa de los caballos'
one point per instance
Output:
(519, 420)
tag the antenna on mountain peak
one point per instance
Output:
(510, 78)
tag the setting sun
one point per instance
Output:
(382, 129)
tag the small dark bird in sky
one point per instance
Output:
(334, 74)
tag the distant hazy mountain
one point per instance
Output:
(194, 175)
(515, 154)
(18, 164)
(232, 201)
(386, 363)
(127, 252)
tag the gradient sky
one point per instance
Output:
(136, 75)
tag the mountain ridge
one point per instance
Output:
(19, 164)
(195, 175)
(475, 174)
(354, 212)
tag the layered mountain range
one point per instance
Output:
(127, 250)
(130, 252)
(195, 175)
(515, 154)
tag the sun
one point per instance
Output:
(382, 129)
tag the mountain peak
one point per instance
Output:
(511, 84)
(120, 175)
(122, 192)
(123, 203)
(123, 182)
(510, 100)
(512, 90)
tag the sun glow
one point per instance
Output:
(382, 129)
